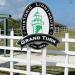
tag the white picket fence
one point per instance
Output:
(11, 59)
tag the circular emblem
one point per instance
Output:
(37, 18)
(37, 26)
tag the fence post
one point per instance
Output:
(5, 33)
(0, 33)
(67, 56)
(11, 51)
(44, 61)
(28, 61)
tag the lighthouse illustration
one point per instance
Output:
(37, 23)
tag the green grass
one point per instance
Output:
(61, 46)
(50, 70)
(4, 73)
(62, 34)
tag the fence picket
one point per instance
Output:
(44, 61)
(66, 57)
(11, 52)
(28, 61)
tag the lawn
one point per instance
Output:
(61, 46)
(61, 34)
(50, 70)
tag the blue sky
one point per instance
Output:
(63, 10)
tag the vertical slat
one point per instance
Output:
(0, 33)
(5, 41)
(28, 61)
(11, 52)
(44, 61)
(67, 57)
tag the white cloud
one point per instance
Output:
(2, 2)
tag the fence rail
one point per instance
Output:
(28, 62)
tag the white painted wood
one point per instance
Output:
(19, 49)
(44, 61)
(67, 57)
(9, 37)
(11, 52)
(0, 34)
(67, 53)
(28, 61)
